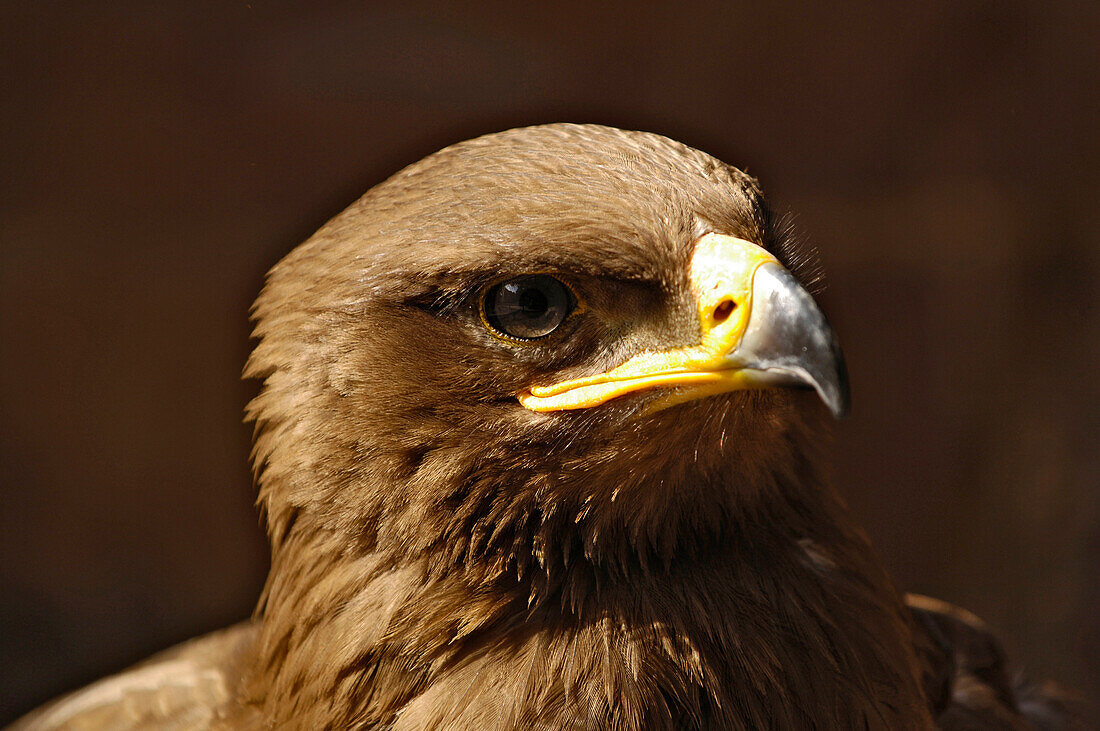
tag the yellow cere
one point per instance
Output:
(722, 269)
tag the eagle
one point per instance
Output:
(541, 442)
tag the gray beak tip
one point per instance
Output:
(789, 341)
(837, 395)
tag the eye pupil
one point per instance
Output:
(527, 307)
(533, 302)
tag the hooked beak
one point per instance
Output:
(758, 329)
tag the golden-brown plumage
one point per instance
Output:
(444, 558)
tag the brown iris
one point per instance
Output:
(527, 307)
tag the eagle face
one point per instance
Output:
(555, 326)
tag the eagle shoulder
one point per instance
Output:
(971, 684)
(190, 686)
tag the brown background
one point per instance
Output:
(158, 157)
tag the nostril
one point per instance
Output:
(724, 310)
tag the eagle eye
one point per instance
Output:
(527, 307)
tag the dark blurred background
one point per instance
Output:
(159, 157)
